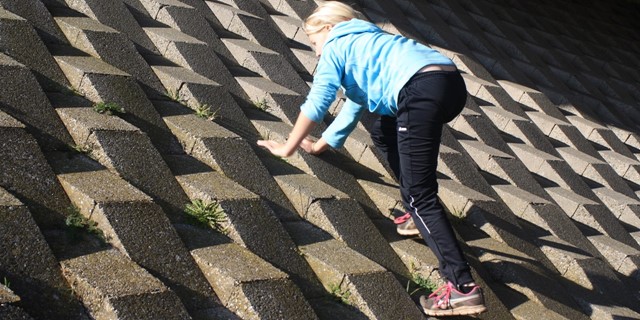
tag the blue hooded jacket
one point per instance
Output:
(371, 66)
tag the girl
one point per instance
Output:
(415, 90)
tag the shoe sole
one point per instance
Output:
(460, 311)
(408, 232)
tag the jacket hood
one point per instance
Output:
(352, 26)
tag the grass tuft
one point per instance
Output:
(209, 214)
(109, 108)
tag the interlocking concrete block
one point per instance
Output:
(29, 266)
(100, 41)
(123, 290)
(273, 98)
(595, 169)
(587, 274)
(26, 173)
(117, 16)
(385, 194)
(196, 91)
(82, 122)
(503, 166)
(515, 269)
(250, 20)
(191, 17)
(249, 286)
(6, 295)
(219, 148)
(627, 167)
(600, 134)
(20, 41)
(266, 63)
(193, 54)
(101, 82)
(547, 123)
(37, 14)
(133, 157)
(482, 129)
(293, 8)
(10, 312)
(22, 98)
(622, 258)
(591, 214)
(361, 149)
(550, 218)
(354, 278)
(626, 209)
(250, 223)
(140, 229)
(290, 27)
(324, 206)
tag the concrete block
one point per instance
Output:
(140, 229)
(626, 209)
(516, 270)
(278, 100)
(572, 137)
(82, 122)
(249, 286)
(6, 295)
(10, 312)
(37, 14)
(250, 20)
(589, 274)
(591, 214)
(546, 123)
(123, 151)
(362, 283)
(196, 91)
(20, 41)
(101, 82)
(100, 41)
(26, 173)
(190, 17)
(251, 223)
(293, 8)
(191, 53)
(600, 134)
(482, 129)
(117, 16)
(595, 169)
(325, 206)
(23, 99)
(123, 290)
(501, 118)
(28, 264)
(218, 148)
(385, 194)
(622, 258)
(266, 63)
(627, 167)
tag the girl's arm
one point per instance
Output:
(300, 130)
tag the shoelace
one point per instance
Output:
(402, 219)
(442, 298)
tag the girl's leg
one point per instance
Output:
(427, 102)
(383, 134)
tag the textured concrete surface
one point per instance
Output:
(539, 173)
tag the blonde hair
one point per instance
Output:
(327, 13)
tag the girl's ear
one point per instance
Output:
(328, 27)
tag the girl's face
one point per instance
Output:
(319, 38)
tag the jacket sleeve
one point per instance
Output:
(338, 131)
(326, 83)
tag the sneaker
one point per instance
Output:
(406, 226)
(448, 301)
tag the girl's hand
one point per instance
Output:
(314, 148)
(307, 145)
(277, 149)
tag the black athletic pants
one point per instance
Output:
(411, 143)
